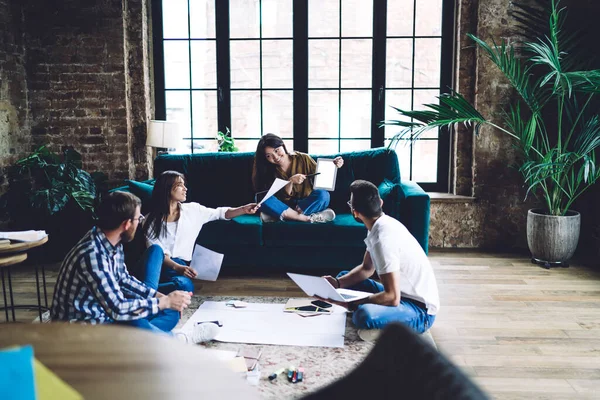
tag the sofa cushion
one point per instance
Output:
(343, 231)
(242, 230)
(390, 194)
(143, 190)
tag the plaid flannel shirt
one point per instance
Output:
(94, 285)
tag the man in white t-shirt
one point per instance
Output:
(408, 291)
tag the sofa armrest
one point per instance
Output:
(414, 212)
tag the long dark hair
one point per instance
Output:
(161, 199)
(263, 172)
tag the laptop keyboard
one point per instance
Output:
(348, 296)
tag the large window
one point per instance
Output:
(321, 74)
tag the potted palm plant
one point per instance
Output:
(554, 124)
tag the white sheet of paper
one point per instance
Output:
(327, 174)
(275, 187)
(24, 236)
(268, 324)
(206, 263)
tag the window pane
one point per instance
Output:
(399, 63)
(202, 18)
(400, 99)
(277, 18)
(177, 65)
(429, 18)
(427, 62)
(323, 18)
(175, 19)
(354, 145)
(278, 112)
(245, 114)
(199, 146)
(323, 109)
(425, 157)
(204, 64)
(323, 147)
(357, 18)
(243, 21)
(204, 113)
(323, 63)
(403, 149)
(245, 64)
(356, 63)
(277, 64)
(356, 114)
(178, 110)
(400, 17)
(426, 97)
(247, 145)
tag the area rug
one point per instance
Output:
(321, 365)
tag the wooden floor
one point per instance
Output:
(520, 331)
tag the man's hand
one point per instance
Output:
(298, 179)
(332, 280)
(185, 271)
(251, 208)
(338, 161)
(177, 300)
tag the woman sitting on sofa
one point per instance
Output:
(175, 225)
(297, 201)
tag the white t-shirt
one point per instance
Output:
(393, 248)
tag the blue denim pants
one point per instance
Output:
(165, 280)
(165, 320)
(317, 201)
(375, 316)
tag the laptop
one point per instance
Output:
(319, 286)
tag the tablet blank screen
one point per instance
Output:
(327, 174)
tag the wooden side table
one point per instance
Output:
(12, 255)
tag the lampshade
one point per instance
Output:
(163, 134)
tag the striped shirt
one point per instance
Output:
(94, 285)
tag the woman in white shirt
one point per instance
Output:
(174, 226)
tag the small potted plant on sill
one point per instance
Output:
(554, 124)
(226, 142)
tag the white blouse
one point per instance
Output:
(178, 240)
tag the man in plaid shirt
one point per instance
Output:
(94, 286)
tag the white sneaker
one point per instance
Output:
(267, 218)
(200, 334)
(369, 335)
(327, 215)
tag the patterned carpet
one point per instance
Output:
(321, 365)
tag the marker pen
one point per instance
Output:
(290, 374)
(275, 374)
(300, 376)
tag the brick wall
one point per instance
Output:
(14, 115)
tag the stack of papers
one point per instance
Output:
(24, 377)
(24, 236)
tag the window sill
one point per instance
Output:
(437, 197)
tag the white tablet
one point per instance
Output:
(327, 172)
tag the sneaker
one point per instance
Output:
(200, 334)
(326, 215)
(369, 335)
(267, 218)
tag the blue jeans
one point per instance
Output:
(165, 280)
(317, 201)
(165, 320)
(375, 316)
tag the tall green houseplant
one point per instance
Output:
(554, 123)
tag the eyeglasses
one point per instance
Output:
(350, 205)
(140, 219)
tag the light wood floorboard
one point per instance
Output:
(520, 331)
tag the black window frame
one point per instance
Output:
(300, 76)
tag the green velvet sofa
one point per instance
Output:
(224, 179)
